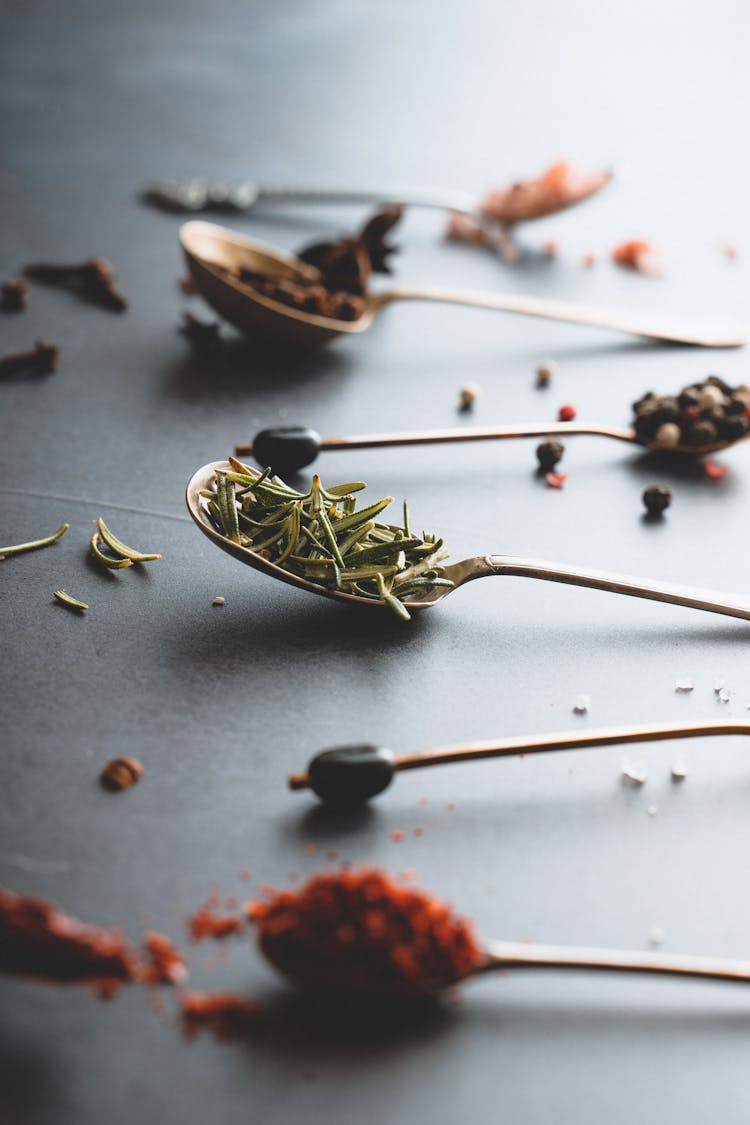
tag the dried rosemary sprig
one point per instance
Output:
(19, 548)
(69, 600)
(322, 537)
(121, 555)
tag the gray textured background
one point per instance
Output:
(219, 705)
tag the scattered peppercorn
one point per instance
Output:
(715, 471)
(566, 413)
(544, 372)
(14, 295)
(548, 454)
(656, 499)
(468, 396)
(121, 773)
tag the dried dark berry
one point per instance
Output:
(733, 427)
(700, 433)
(548, 454)
(656, 498)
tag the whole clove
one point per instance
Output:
(93, 279)
(42, 360)
(14, 295)
(656, 499)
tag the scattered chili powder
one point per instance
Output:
(566, 413)
(637, 255)
(550, 249)
(715, 471)
(121, 773)
(226, 1016)
(38, 940)
(589, 260)
(556, 480)
(165, 964)
(419, 830)
(206, 924)
(397, 835)
(362, 931)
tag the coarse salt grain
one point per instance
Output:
(657, 936)
(723, 696)
(635, 774)
(684, 686)
(678, 771)
(652, 810)
(581, 705)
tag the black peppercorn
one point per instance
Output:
(656, 498)
(548, 453)
(701, 433)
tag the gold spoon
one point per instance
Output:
(322, 936)
(215, 256)
(346, 776)
(290, 448)
(465, 571)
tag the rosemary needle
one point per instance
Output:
(121, 548)
(70, 601)
(106, 560)
(19, 548)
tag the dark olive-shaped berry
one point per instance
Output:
(349, 775)
(656, 499)
(286, 448)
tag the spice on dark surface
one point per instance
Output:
(566, 413)
(223, 1014)
(41, 360)
(164, 962)
(38, 940)
(94, 280)
(549, 453)
(121, 773)
(701, 414)
(204, 335)
(360, 930)
(14, 295)
(340, 271)
(206, 923)
(656, 499)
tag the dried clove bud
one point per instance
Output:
(14, 295)
(94, 279)
(41, 361)
(121, 773)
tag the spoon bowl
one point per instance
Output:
(215, 256)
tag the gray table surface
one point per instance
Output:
(220, 704)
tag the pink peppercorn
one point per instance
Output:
(566, 413)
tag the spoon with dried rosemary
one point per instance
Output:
(321, 543)
(219, 258)
(347, 776)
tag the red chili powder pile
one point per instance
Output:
(360, 930)
(39, 940)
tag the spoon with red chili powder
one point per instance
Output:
(360, 931)
(218, 258)
(347, 776)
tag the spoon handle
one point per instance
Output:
(472, 433)
(669, 329)
(567, 740)
(520, 955)
(690, 596)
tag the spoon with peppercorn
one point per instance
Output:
(348, 776)
(319, 542)
(362, 931)
(703, 419)
(260, 289)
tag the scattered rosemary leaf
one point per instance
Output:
(19, 548)
(121, 548)
(106, 560)
(66, 599)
